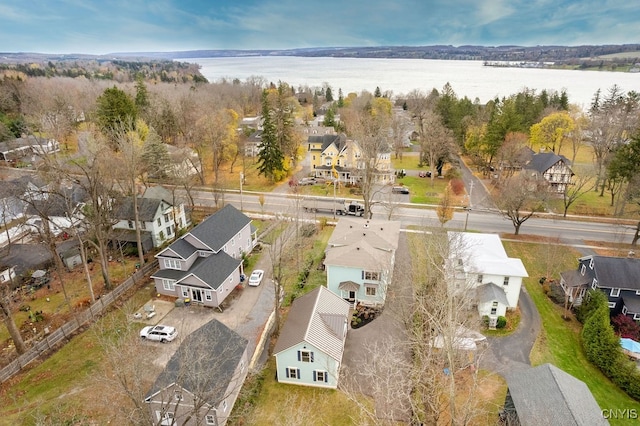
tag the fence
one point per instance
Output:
(51, 341)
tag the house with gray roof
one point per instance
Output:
(18, 148)
(201, 381)
(617, 277)
(547, 396)
(553, 168)
(311, 343)
(359, 259)
(205, 264)
(159, 219)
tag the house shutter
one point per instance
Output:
(287, 370)
(298, 375)
(314, 376)
(311, 356)
(299, 357)
(326, 376)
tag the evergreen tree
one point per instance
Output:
(340, 99)
(377, 93)
(270, 157)
(115, 110)
(155, 156)
(328, 95)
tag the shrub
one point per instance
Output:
(453, 173)
(502, 322)
(457, 186)
(626, 327)
(485, 320)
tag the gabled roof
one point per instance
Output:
(325, 140)
(615, 272)
(484, 254)
(212, 270)
(491, 292)
(543, 161)
(218, 229)
(204, 363)
(158, 192)
(546, 395)
(381, 234)
(359, 255)
(318, 318)
(147, 209)
(573, 278)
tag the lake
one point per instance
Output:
(400, 76)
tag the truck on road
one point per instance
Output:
(340, 207)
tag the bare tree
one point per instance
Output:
(580, 186)
(521, 197)
(279, 248)
(445, 207)
(6, 312)
(513, 154)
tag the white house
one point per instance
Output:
(481, 265)
(359, 259)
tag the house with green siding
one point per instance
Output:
(311, 343)
(359, 259)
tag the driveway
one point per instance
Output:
(372, 350)
(245, 311)
(511, 353)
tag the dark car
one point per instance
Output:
(400, 190)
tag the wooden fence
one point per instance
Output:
(51, 341)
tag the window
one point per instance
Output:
(177, 395)
(168, 229)
(624, 310)
(210, 419)
(224, 405)
(612, 305)
(305, 356)
(143, 225)
(168, 285)
(583, 270)
(293, 373)
(159, 221)
(320, 376)
(172, 264)
(615, 292)
(594, 284)
(636, 317)
(167, 218)
(505, 281)
(494, 308)
(591, 263)
(372, 276)
(480, 278)
(185, 292)
(162, 235)
(130, 223)
(371, 291)
(233, 241)
(208, 295)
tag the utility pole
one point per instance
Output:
(241, 179)
(468, 208)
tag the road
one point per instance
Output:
(572, 230)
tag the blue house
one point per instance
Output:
(359, 259)
(311, 343)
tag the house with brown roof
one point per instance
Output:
(359, 259)
(311, 343)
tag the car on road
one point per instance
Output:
(256, 277)
(159, 333)
(307, 181)
(400, 190)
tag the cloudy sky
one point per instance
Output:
(108, 26)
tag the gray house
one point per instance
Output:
(202, 380)
(617, 277)
(205, 264)
(547, 396)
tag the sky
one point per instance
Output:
(110, 26)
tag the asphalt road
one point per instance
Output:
(572, 230)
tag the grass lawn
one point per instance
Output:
(560, 342)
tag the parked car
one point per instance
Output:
(400, 190)
(159, 333)
(424, 174)
(256, 277)
(307, 181)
